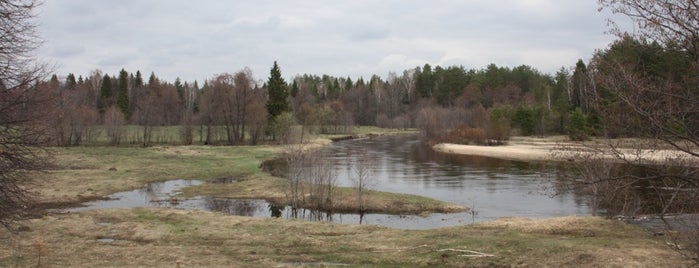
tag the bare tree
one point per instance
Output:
(19, 130)
(312, 180)
(651, 88)
(189, 98)
(362, 178)
(114, 122)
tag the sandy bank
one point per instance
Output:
(559, 148)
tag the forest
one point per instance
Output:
(448, 104)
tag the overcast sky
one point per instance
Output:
(194, 40)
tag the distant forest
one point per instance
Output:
(447, 103)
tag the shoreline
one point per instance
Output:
(560, 149)
(517, 149)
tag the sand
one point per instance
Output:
(559, 148)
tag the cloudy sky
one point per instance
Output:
(194, 40)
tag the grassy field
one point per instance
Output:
(156, 237)
(172, 238)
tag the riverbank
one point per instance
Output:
(560, 148)
(159, 237)
(88, 173)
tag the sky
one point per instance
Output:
(195, 40)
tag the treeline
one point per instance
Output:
(449, 104)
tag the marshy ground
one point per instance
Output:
(160, 237)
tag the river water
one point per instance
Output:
(493, 188)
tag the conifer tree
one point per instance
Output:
(105, 94)
(123, 93)
(278, 93)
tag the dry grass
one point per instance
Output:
(167, 237)
(164, 237)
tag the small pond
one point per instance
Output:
(493, 188)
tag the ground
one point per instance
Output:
(168, 238)
(158, 237)
(560, 148)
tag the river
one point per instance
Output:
(492, 188)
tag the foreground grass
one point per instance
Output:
(170, 238)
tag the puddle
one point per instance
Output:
(156, 194)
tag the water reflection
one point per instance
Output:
(492, 188)
(156, 194)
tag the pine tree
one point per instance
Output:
(139, 80)
(123, 93)
(278, 93)
(70, 81)
(105, 94)
(294, 89)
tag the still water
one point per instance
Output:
(492, 188)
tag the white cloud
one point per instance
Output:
(195, 40)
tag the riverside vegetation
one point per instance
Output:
(168, 237)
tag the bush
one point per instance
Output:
(578, 128)
(466, 135)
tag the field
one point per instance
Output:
(156, 237)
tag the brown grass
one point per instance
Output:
(164, 237)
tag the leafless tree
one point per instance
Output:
(362, 178)
(312, 180)
(189, 98)
(657, 105)
(20, 131)
(114, 125)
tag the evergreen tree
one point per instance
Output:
(123, 93)
(348, 83)
(139, 80)
(105, 94)
(153, 80)
(581, 87)
(70, 81)
(294, 89)
(179, 87)
(54, 83)
(425, 82)
(278, 93)
(578, 128)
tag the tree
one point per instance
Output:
(123, 94)
(105, 100)
(282, 126)
(660, 104)
(578, 128)
(581, 87)
(114, 125)
(71, 83)
(18, 133)
(669, 22)
(278, 93)
(362, 178)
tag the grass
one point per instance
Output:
(165, 237)
(153, 237)
(85, 173)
